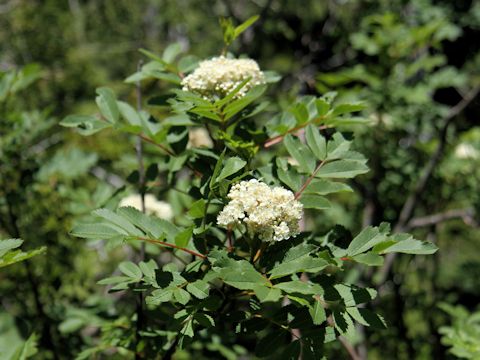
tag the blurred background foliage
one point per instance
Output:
(415, 63)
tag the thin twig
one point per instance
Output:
(412, 200)
(300, 128)
(466, 214)
(165, 149)
(309, 180)
(162, 243)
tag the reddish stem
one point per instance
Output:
(309, 180)
(279, 138)
(162, 243)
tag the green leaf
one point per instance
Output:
(130, 269)
(406, 244)
(9, 244)
(230, 167)
(370, 259)
(300, 287)
(159, 296)
(115, 280)
(187, 63)
(199, 289)
(171, 52)
(96, 231)
(238, 105)
(324, 187)
(297, 259)
(343, 322)
(107, 103)
(238, 273)
(266, 294)
(245, 25)
(353, 295)
(129, 113)
(118, 220)
(183, 237)
(342, 169)
(316, 142)
(367, 317)
(300, 112)
(142, 221)
(322, 107)
(197, 210)
(28, 349)
(15, 256)
(86, 124)
(204, 319)
(301, 153)
(318, 313)
(148, 268)
(181, 295)
(368, 238)
(287, 175)
(314, 201)
(347, 108)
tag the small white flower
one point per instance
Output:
(217, 77)
(198, 137)
(466, 151)
(153, 206)
(271, 213)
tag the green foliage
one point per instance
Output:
(386, 79)
(10, 254)
(251, 278)
(464, 333)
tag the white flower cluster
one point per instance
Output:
(153, 206)
(198, 137)
(272, 213)
(217, 77)
(466, 151)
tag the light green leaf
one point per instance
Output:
(199, 289)
(231, 166)
(316, 142)
(370, 259)
(9, 244)
(324, 187)
(130, 269)
(342, 169)
(298, 286)
(368, 238)
(301, 153)
(118, 220)
(160, 296)
(408, 245)
(181, 295)
(367, 317)
(197, 210)
(245, 25)
(314, 201)
(266, 294)
(318, 313)
(96, 231)
(86, 124)
(129, 113)
(347, 108)
(297, 259)
(183, 237)
(107, 103)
